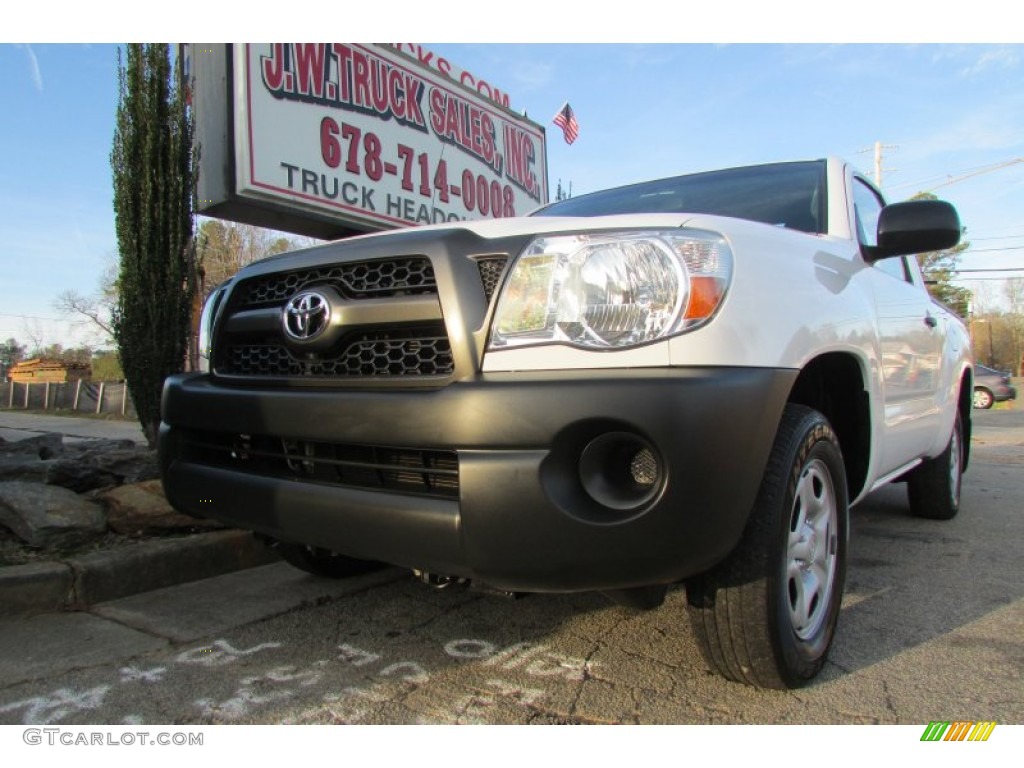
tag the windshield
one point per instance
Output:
(784, 194)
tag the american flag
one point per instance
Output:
(566, 120)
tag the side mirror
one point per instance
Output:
(916, 226)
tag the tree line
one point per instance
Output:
(997, 332)
(222, 248)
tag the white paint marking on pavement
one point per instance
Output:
(416, 673)
(535, 660)
(356, 656)
(220, 653)
(527, 696)
(42, 710)
(470, 649)
(133, 674)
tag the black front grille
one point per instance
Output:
(490, 273)
(363, 279)
(404, 470)
(393, 325)
(410, 352)
(371, 346)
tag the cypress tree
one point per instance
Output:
(154, 168)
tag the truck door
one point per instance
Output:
(910, 331)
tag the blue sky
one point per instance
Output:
(645, 110)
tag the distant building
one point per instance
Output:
(54, 371)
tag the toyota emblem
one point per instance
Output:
(306, 316)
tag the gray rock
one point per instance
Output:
(48, 516)
(41, 446)
(100, 464)
(132, 465)
(77, 475)
(23, 467)
(98, 446)
(78, 466)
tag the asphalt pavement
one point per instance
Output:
(932, 629)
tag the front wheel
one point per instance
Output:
(767, 614)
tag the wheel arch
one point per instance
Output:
(831, 383)
(965, 404)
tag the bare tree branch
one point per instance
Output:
(36, 336)
(71, 302)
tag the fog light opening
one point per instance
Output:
(621, 471)
(644, 468)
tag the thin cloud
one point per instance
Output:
(993, 128)
(641, 56)
(530, 76)
(33, 63)
(974, 60)
(1002, 58)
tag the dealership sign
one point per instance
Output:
(336, 138)
(453, 72)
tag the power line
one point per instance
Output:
(950, 178)
(39, 317)
(1000, 237)
(981, 279)
(1005, 269)
(1003, 228)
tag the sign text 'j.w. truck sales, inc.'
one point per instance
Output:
(367, 133)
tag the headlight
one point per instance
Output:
(206, 320)
(612, 290)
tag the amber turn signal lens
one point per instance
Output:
(705, 294)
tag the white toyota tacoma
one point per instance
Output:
(686, 380)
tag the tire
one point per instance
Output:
(983, 399)
(320, 562)
(933, 488)
(766, 615)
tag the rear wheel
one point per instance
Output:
(766, 615)
(933, 489)
(320, 562)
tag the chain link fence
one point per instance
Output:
(93, 397)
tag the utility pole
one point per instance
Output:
(879, 146)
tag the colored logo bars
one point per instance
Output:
(958, 730)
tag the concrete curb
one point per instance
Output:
(80, 582)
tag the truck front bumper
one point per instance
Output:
(546, 481)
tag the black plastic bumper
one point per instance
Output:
(522, 518)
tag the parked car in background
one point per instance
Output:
(991, 386)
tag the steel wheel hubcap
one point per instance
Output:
(811, 550)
